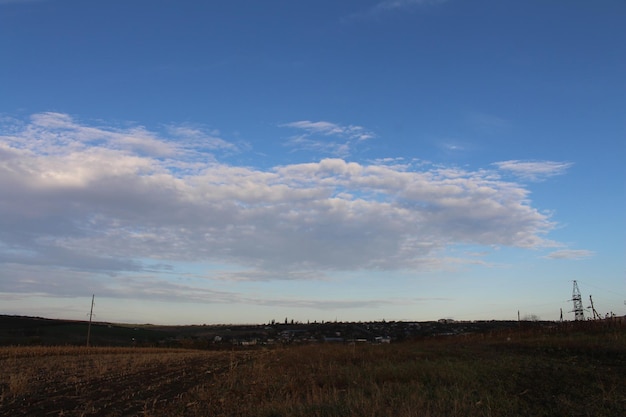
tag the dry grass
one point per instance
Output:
(8, 352)
(562, 374)
(539, 376)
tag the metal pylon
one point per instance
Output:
(578, 303)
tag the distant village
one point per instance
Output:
(289, 332)
(20, 330)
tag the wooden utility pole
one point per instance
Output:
(90, 316)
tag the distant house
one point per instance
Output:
(333, 339)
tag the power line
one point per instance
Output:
(602, 289)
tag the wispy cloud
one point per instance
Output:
(332, 129)
(404, 4)
(81, 201)
(20, 1)
(534, 170)
(201, 138)
(387, 6)
(326, 137)
(452, 146)
(576, 254)
(488, 123)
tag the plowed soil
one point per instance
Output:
(106, 384)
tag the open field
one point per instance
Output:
(569, 372)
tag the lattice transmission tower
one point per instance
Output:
(578, 303)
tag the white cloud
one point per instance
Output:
(575, 254)
(326, 137)
(91, 201)
(534, 170)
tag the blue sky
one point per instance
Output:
(243, 161)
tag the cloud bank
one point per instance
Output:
(79, 198)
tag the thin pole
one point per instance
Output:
(593, 309)
(90, 316)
